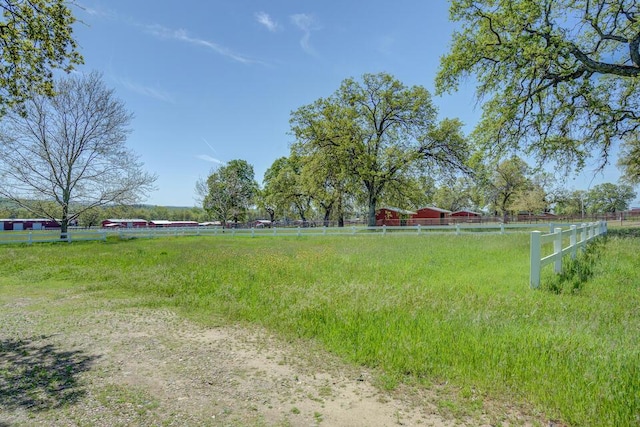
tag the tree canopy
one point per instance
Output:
(35, 39)
(229, 191)
(559, 78)
(379, 134)
(609, 198)
(64, 155)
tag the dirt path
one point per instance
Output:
(110, 366)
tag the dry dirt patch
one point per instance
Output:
(123, 366)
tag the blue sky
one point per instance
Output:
(213, 81)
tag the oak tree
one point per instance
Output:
(559, 79)
(609, 198)
(382, 133)
(36, 38)
(229, 191)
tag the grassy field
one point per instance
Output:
(420, 309)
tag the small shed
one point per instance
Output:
(430, 215)
(466, 215)
(393, 216)
(124, 223)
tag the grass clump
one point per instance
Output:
(418, 308)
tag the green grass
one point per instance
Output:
(423, 309)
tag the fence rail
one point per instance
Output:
(151, 232)
(50, 236)
(577, 237)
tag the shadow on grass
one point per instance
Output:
(37, 376)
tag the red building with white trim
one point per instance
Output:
(430, 215)
(393, 216)
(17, 224)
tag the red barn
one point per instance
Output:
(124, 223)
(430, 215)
(392, 216)
(27, 224)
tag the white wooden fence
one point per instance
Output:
(150, 232)
(577, 237)
(50, 236)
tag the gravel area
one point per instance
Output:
(70, 360)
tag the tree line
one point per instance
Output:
(376, 142)
(509, 188)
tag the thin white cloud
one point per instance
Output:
(264, 19)
(307, 24)
(385, 44)
(147, 91)
(98, 12)
(209, 159)
(183, 36)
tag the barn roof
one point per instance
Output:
(26, 220)
(433, 208)
(467, 211)
(400, 211)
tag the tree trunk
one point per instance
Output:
(327, 214)
(372, 211)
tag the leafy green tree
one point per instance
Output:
(509, 178)
(531, 200)
(90, 218)
(36, 38)
(561, 78)
(570, 203)
(62, 155)
(458, 194)
(283, 190)
(629, 160)
(381, 133)
(609, 198)
(229, 192)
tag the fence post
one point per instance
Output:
(457, 229)
(253, 232)
(30, 239)
(534, 272)
(418, 228)
(573, 241)
(557, 250)
(299, 232)
(583, 233)
(324, 230)
(384, 229)
(502, 228)
(550, 228)
(353, 229)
